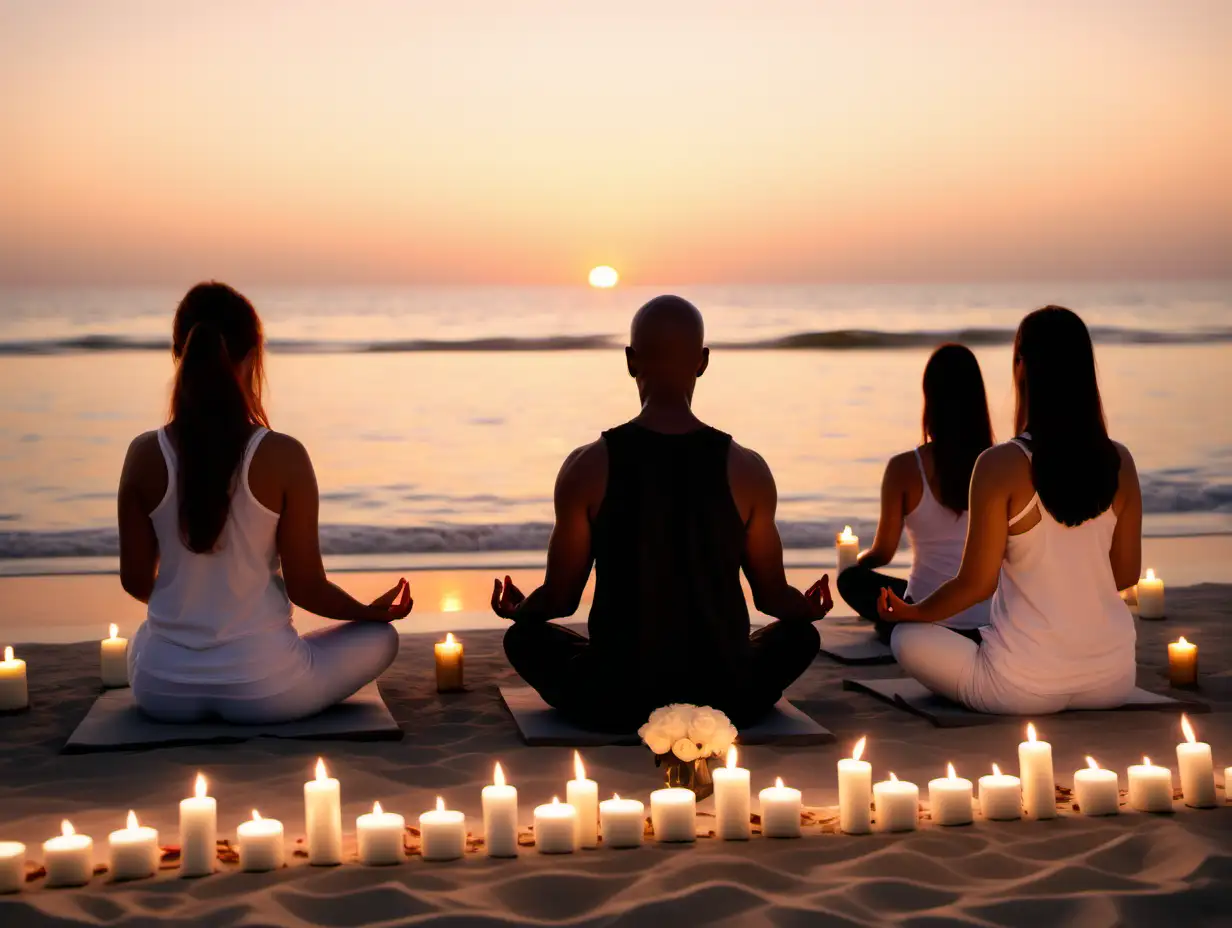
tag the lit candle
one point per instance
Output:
(13, 692)
(949, 799)
(261, 844)
(897, 803)
(623, 822)
(134, 851)
(1097, 791)
(113, 666)
(732, 799)
(1039, 792)
(448, 665)
(673, 815)
(1197, 770)
(12, 866)
(855, 792)
(848, 548)
(1150, 787)
(780, 810)
(323, 818)
(500, 817)
(69, 858)
(1150, 596)
(583, 795)
(555, 828)
(198, 832)
(443, 833)
(379, 836)
(1182, 663)
(1000, 796)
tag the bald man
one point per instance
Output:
(668, 510)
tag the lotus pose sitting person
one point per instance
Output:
(209, 506)
(925, 491)
(668, 510)
(1057, 514)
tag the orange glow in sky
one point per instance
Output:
(702, 140)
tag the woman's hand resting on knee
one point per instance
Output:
(893, 609)
(394, 604)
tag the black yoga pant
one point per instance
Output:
(861, 587)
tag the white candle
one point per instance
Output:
(69, 858)
(897, 804)
(583, 795)
(1197, 770)
(848, 548)
(1097, 791)
(732, 800)
(448, 665)
(673, 815)
(555, 828)
(12, 866)
(623, 822)
(1000, 796)
(379, 836)
(443, 833)
(780, 810)
(113, 659)
(323, 818)
(134, 851)
(500, 817)
(13, 691)
(1150, 596)
(1182, 663)
(261, 844)
(855, 792)
(1150, 787)
(198, 832)
(949, 799)
(1039, 791)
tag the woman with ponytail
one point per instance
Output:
(1055, 532)
(218, 534)
(925, 492)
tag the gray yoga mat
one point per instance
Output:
(854, 644)
(542, 726)
(114, 723)
(912, 696)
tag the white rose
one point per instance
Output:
(656, 738)
(704, 723)
(723, 738)
(686, 750)
(673, 720)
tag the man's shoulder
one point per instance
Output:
(745, 464)
(584, 468)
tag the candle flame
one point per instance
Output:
(256, 816)
(778, 782)
(731, 758)
(616, 796)
(132, 820)
(996, 771)
(847, 535)
(1150, 573)
(199, 788)
(440, 804)
(1182, 642)
(8, 653)
(579, 769)
(893, 778)
(450, 640)
(1188, 730)
(950, 771)
(322, 774)
(1146, 762)
(66, 828)
(498, 775)
(555, 800)
(1091, 763)
(376, 809)
(115, 632)
(1031, 732)
(859, 749)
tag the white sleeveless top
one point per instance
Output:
(937, 535)
(1059, 625)
(223, 618)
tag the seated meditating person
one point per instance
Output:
(1055, 533)
(925, 492)
(668, 510)
(218, 534)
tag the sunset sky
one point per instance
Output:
(491, 141)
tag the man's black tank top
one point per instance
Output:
(668, 542)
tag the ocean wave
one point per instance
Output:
(829, 340)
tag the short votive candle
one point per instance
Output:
(673, 815)
(1000, 796)
(623, 822)
(379, 836)
(949, 799)
(133, 851)
(555, 828)
(68, 858)
(897, 804)
(12, 866)
(1150, 787)
(262, 846)
(1096, 790)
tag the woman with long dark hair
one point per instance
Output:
(218, 534)
(925, 492)
(1055, 532)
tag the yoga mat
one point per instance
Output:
(114, 723)
(912, 696)
(854, 644)
(542, 726)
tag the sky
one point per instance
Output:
(692, 141)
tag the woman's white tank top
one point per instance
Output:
(221, 618)
(1058, 622)
(937, 535)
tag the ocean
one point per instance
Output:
(437, 417)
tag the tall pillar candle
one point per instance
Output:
(323, 818)
(848, 546)
(949, 799)
(113, 660)
(1000, 796)
(14, 693)
(500, 816)
(198, 832)
(442, 833)
(780, 810)
(1182, 663)
(133, 851)
(69, 858)
(623, 821)
(262, 845)
(378, 835)
(583, 795)
(673, 815)
(732, 800)
(555, 827)
(1039, 792)
(1151, 597)
(1150, 787)
(897, 803)
(1197, 769)
(448, 665)
(855, 793)
(1097, 791)
(12, 866)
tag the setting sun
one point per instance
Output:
(603, 276)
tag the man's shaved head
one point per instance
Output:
(667, 344)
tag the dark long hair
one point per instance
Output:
(955, 420)
(213, 408)
(1075, 465)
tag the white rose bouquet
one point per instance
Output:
(687, 733)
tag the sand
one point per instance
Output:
(1134, 869)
